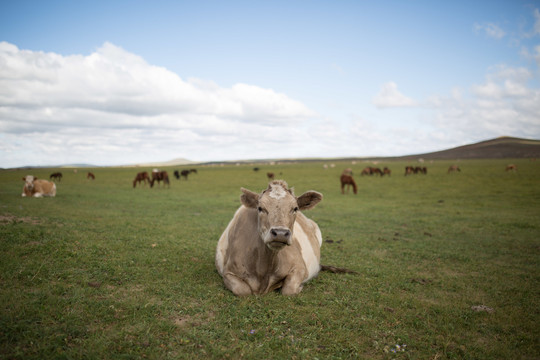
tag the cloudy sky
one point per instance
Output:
(125, 82)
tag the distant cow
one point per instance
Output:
(160, 176)
(269, 244)
(387, 171)
(56, 176)
(511, 167)
(366, 171)
(347, 171)
(453, 168)
(34, 187)
(347, 181)
(91, 176)
(270, 175)
(142, 176)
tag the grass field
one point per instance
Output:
(448, 267)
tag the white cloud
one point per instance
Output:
(490, 29)
(117, 103)
(389, 96)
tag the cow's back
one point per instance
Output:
(308, 235)
(44, 187)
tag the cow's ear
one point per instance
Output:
(308, 200)
(249, 198)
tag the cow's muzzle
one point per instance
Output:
(280, 237)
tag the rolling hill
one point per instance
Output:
(499, 148)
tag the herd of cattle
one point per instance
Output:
(35, 187)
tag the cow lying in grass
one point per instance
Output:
(269, 244)
(34, 187)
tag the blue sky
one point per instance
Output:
(124, 82)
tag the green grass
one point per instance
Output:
(105, 271)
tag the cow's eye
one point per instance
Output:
(260, 209)
(295, 209)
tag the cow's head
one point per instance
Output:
(277, 208)
(29, 180)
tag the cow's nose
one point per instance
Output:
(280, 234)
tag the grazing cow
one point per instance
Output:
(348, 181)
(176, 174)
(34, 187)
(270, 175)
(142, 176)
(160, 176)
(366, 171)
(269, 244)
(409, 170)
(347, 171)
(91, 176)
(185, 173)
(375, 171)
(193, 171)
(453, 168)
(56, 176)
(387, 171)
(511, 167)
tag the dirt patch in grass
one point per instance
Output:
(12, 219)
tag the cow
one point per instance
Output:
(387, 171)
(511, 167)
(347, 180)
(56, 176)
(270, 175)
(347, 171)
(375, 171)
(34, 187)
(269, 244)
(142, 176)
(160, 176)
(366, 171)
(91, 176)
(453, 168)
(409, 170)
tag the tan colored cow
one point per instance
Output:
(269, 244)
(34, 187)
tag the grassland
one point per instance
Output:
(448, 267)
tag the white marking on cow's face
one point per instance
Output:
(277, 209)
(29, 180)
(277, 192)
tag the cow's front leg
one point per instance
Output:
(293, 284)
(236, 284)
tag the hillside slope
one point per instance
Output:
(499, 148)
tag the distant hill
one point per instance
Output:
(499, 148)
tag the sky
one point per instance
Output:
(128, 82)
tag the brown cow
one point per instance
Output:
(34, 187)
(91, 176)
(269, 244)
(511, 167)
(387, 171)
(453, 168)
(347, 180)
(270, 175)
(160, 176)
(142, 176)
(366, 171)
(56, 176)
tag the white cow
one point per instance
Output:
(34, 187)
(269, 244)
